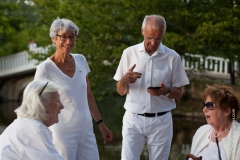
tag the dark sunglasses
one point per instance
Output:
(208, 105)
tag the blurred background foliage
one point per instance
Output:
(107, 27)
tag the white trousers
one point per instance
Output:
(156, 132)
(76, 146)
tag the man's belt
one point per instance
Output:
(153, 114)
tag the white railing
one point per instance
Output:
(20, 62)
(213, 66)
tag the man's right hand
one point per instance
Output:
(130, 76)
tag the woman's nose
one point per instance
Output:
(61, 106)
(205, 109)
(68, 40)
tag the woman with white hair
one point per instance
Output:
(73, 136)
(28, 136)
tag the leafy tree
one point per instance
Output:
(206, 27)
(16, 18)
(221, 31)
(107, 27)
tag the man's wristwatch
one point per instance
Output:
(168, 92)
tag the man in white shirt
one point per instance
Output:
(148, 116)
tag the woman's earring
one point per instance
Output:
(233, 114)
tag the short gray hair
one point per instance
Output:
(65, 24)
(32, 106)
(158, 22)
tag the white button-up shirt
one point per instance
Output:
(163, 66)
(27, 139)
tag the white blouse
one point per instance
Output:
(211, 151)
(27, 139)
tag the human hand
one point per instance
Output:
(106, 133)
(130, 76)
(157, 92)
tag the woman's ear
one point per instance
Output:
(228, 111)
(44, 102)
(54, 40)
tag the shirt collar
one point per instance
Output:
(160, 48)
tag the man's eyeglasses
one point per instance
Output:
(65, 37)
(43, 89)
(209, 105)
(155, 40)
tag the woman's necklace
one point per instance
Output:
(64, 66)
(68, 63)
(215, 135)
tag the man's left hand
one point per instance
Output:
(157, 92)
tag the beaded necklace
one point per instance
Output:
(215, 135)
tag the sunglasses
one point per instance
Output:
(209, 105)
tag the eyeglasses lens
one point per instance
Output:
(208, 105)
(155, 40)
(64, 37)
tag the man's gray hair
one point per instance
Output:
(62, 24)
(32, 106)
(158, 22)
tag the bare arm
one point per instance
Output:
(174, 93)
(92, 103)
(122, 86)
(106, 133)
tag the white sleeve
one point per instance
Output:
(122, 67)
(40, 73)
(40, 147)
(86, 65)
(179, 76)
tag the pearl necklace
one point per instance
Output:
(215, 135)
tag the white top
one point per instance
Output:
(230, 143)
(32, 46)
(163, 66)
(73, 94)
(211, 151)
(27, 139)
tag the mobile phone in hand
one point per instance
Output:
(158, 87)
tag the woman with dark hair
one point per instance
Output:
(220, 138)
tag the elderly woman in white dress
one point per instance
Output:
(220, 138)
(28, 136)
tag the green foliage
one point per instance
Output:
(42, 54)
(17, 19)
(107, 27)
